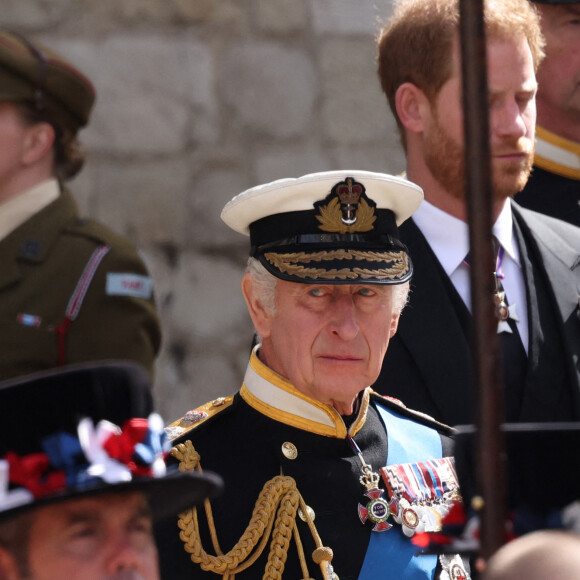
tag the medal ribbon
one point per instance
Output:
(421, 482)
(392, 555)
(430, 471)
(498, 262)
(369, 478)
(422, 489)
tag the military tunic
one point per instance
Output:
(71, 290)
(554, 185)
(270, 429)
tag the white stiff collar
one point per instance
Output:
(556, 154)
(274, 396)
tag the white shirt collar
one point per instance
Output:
(448, 236)
(19, 209)
(449, 240)
(503, 230)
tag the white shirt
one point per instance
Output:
(20, 208)
(448, 237)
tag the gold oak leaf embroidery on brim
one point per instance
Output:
(292, 263)
(331, 227)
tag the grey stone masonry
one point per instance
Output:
(197, 101)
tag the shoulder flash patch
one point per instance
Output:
(196, 417)
(129, 284)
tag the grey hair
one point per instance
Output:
(265, 286)
(400, 296)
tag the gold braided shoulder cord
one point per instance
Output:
(280, 495)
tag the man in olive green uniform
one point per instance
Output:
(70, 289)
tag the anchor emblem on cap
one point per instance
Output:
(349, 192)
(346, 209)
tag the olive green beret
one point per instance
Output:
(31, 72)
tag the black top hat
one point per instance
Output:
(34, 73)
(334, 227)
(88, 429)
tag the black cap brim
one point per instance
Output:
(167, 496)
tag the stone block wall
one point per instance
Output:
(197, 101)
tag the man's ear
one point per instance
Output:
(394, 324)
(412, 105)
(8, 566)
(38, 142)
(259, 315)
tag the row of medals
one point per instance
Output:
(413, 517)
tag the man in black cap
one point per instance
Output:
(303, 444)
(554, 185)
(82, 475)
(70, 289)
(537, 271)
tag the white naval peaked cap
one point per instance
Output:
(398, 194)
(336, 227)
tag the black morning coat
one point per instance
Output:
(428, 364)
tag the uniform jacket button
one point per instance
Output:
(289, 450)
(30, 248)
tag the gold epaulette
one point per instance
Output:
(196, 417)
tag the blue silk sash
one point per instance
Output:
(391, 555)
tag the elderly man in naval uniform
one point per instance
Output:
(324, 478)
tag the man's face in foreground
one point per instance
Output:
(329, 340)
(104, 537)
